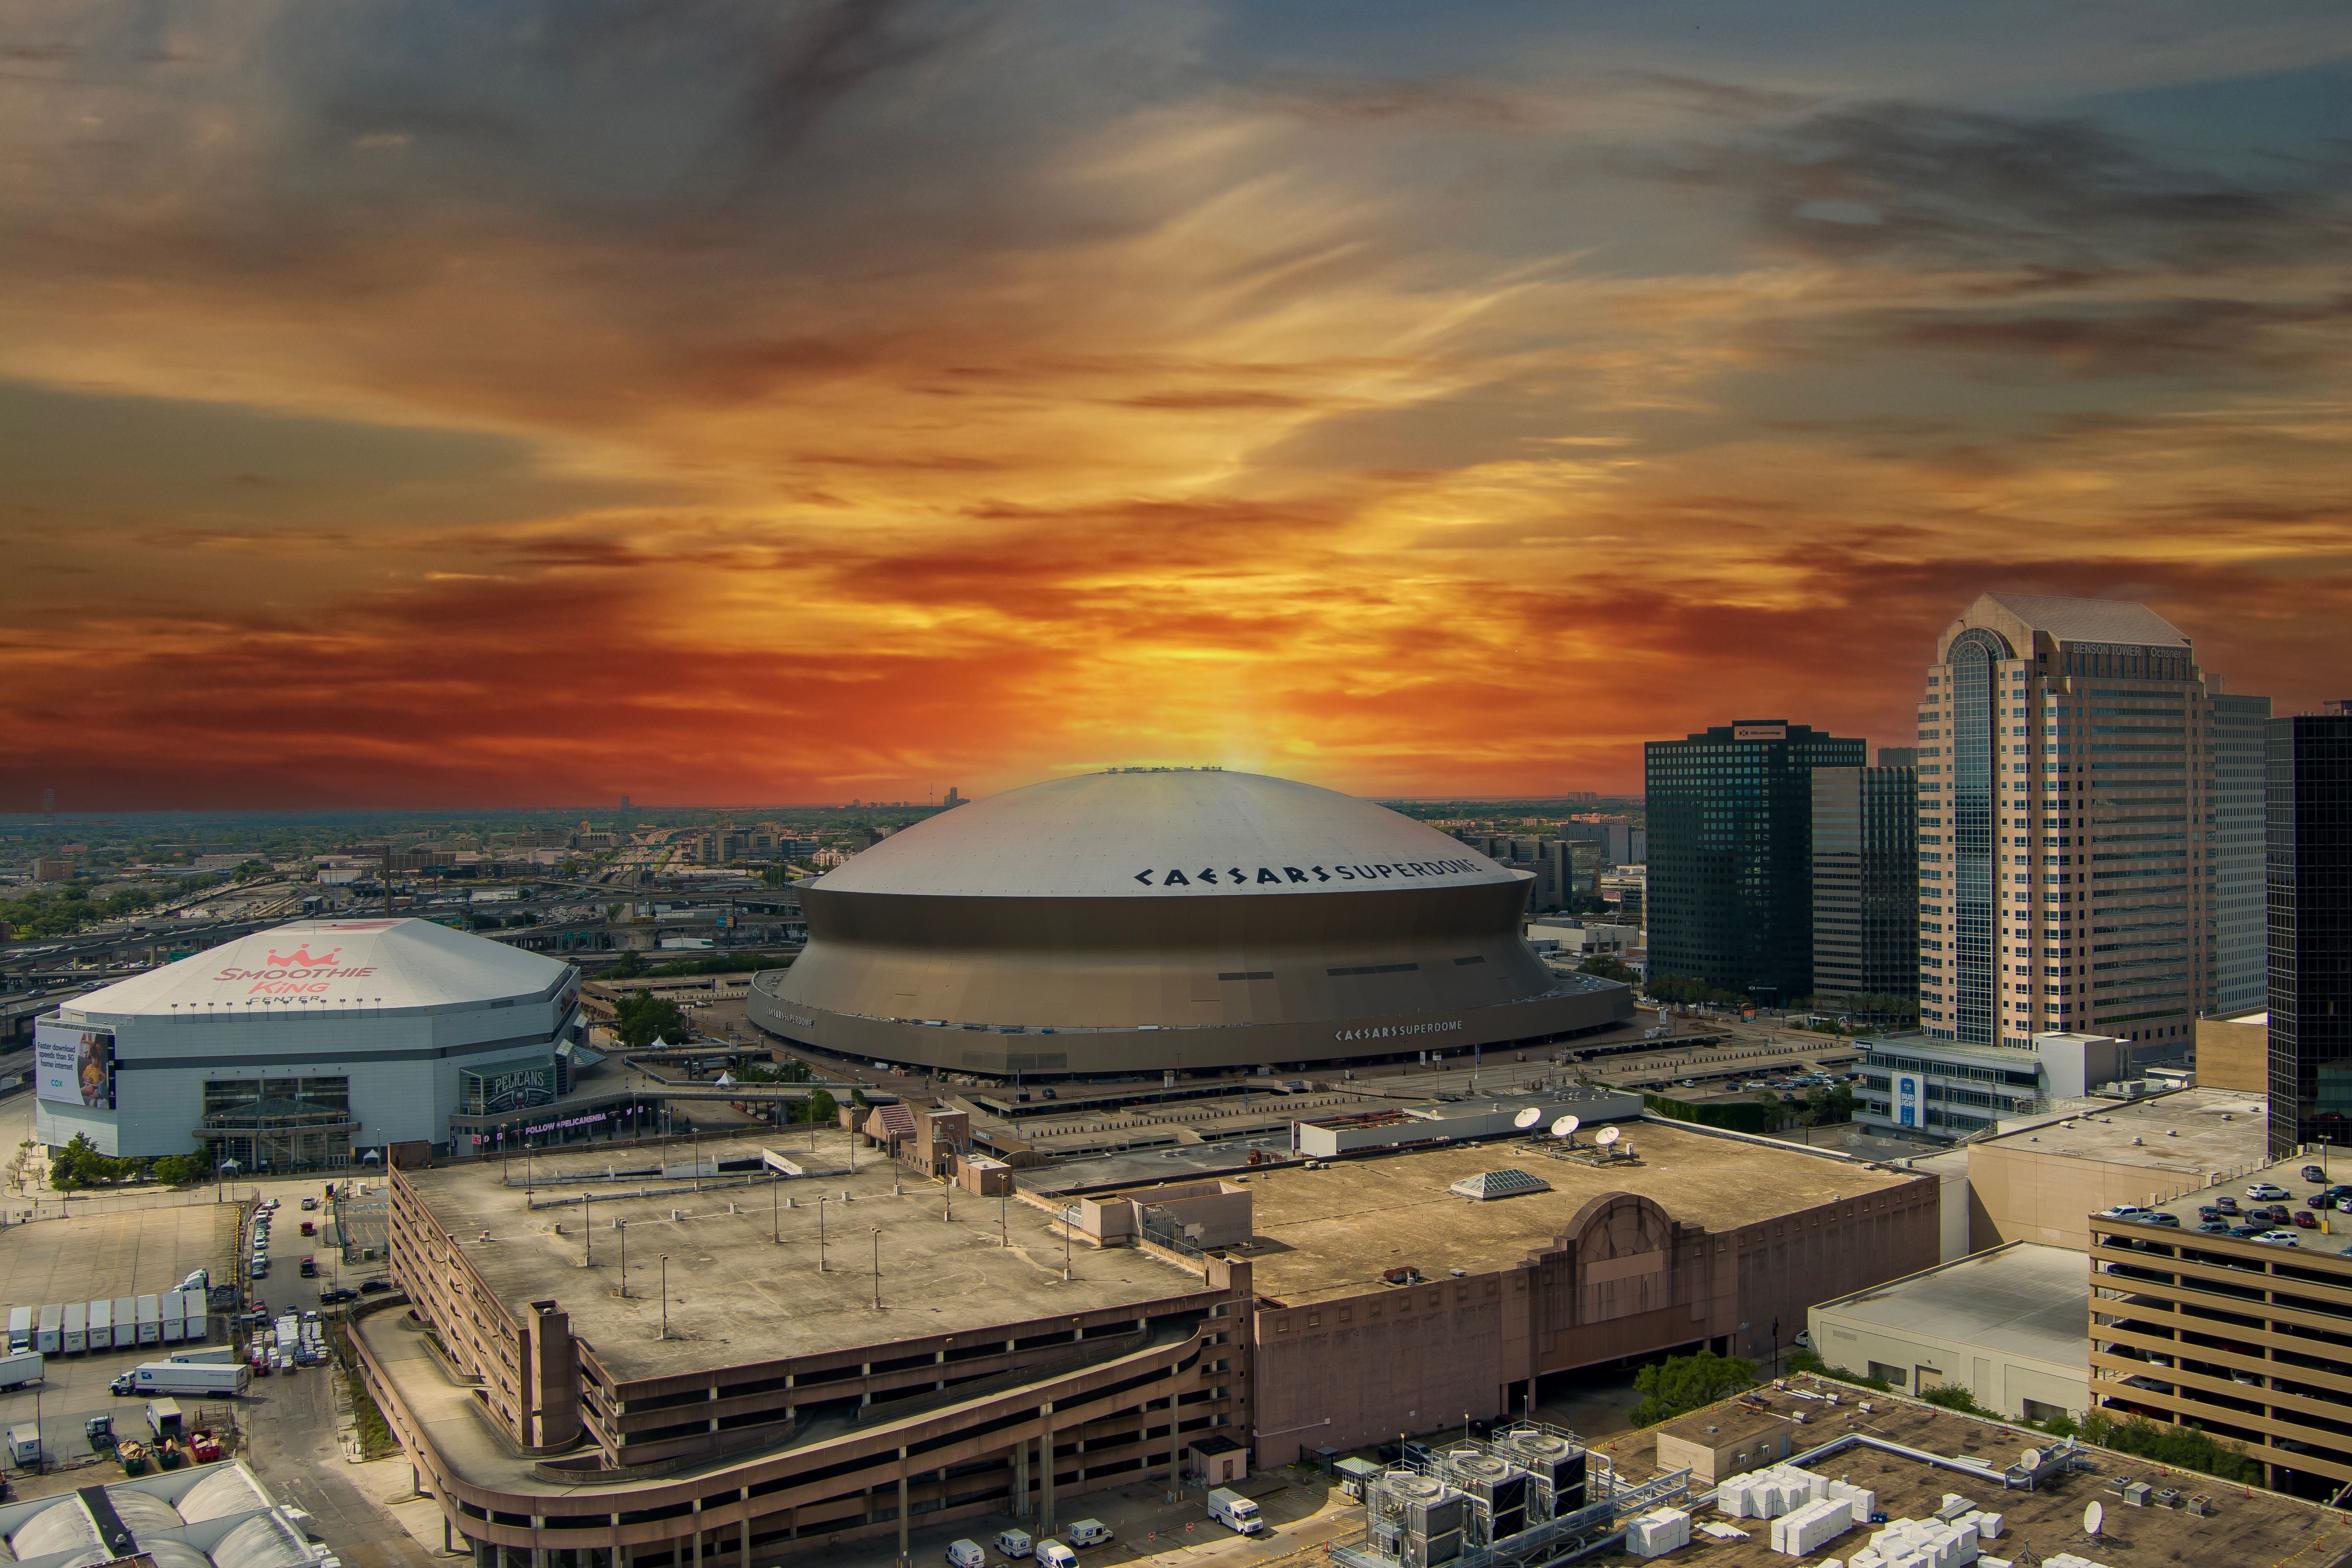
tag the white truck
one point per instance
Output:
(18, 1368)
(1235, 1511)
(207, 1379)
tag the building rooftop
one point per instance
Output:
(2330, 1234)
(2092, 620)
(2190, 1130)
(1328, 1233)
(2024, 1298)
(738, 1296)
(369, 966)
(2241, 1526)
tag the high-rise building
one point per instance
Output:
(2242, 953)
(2307, 872)
(1865, 881)
(2065, 795)
(1732, 855)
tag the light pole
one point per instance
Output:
(820, 1236)
(776, 1207)
(665, 1290)
(878, 1267)
(588, 1226)
(623, 1227)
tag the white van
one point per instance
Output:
(966, 1554)
(1015, 1543)
(1086, 1532)
(1235, 1511)
(1054, 1555)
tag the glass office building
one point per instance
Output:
(2308, 880)
(1866, 881)
(1730, 869)
(2242, 964)
(2068, 830)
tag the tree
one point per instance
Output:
(1952, 1396)
(182, 1170)
(1682, 1383)
(819, 1107)
(2188, 1447)
(1828, 1107)
(1609, 968)
(641, 1018)
(858, 1098)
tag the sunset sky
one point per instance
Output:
(538, 402)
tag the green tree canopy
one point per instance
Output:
(1609, 968)
(642, 1016)
(819, 1107)
(1682, 1383)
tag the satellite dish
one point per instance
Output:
(1528, 1118)
(1608, 1136)
(2093, 1517)
(1567, 1125)
(2031, 1459)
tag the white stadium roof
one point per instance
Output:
(1162, 832)
(373, 963)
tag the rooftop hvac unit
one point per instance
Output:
(1497, 1493)
(1430, 1517)
(1555, 1467)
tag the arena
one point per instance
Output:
(308, 1044)
(1167, 918)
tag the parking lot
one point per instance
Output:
(138, 1252)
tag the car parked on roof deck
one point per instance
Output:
(2306, 1220)
(2279, 1238)
(2266, 1192)
(2314, 1174)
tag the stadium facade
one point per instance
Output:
(305, 1044)
(1160, 919)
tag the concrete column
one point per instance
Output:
(744, 1494)
(1175, 1456)
(695, 1518)
(1046, 1481)
(904, 1559)
(1020, 1479)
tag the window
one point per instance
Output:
(1894, 1376)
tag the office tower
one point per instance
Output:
(1865, 881)
(1898, 756)
(1730, 854)
(2242, 955)
(2064, 796)
(2307, 872)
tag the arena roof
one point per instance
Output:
(376, 964)
(1161, 833)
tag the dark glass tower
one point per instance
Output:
(1865, 881)
(1730, 879)
(2235, 868)
(2307, 873)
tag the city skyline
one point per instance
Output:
(816, 402)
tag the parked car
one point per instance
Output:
(2158, 1217)
(2215, 1227)
(2266, 1192)
(2208, 1212)
(308, 1204)
(336, 1295)
(2319, 1201)
(2279, 1238)
(2248, 1231)
(2314, 1174)
(2306, 1220)
(1086, 1532)
(2226, 1203)
(2121, 1211)
(374, 1286)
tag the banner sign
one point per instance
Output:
(73, 1065)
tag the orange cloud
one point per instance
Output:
(849, 400)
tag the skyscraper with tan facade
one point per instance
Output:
(2066, 826)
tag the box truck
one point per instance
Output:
(25, 1445)
(202, 1379)
(1235, 1511)
(215, 1355)
(101, 1324)
(151, 1320)
(126, 1322)
(176, 1318)
(76, 1330)
(18, 1368)
(49, 1338)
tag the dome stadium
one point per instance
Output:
(1157, 919)
(304, 1044)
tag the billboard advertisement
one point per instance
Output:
(73, 1065)
(512, 1088)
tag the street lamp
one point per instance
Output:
(878, 1267)
(665, 1290)
(623, 1227)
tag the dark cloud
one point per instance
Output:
(1907, 182)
